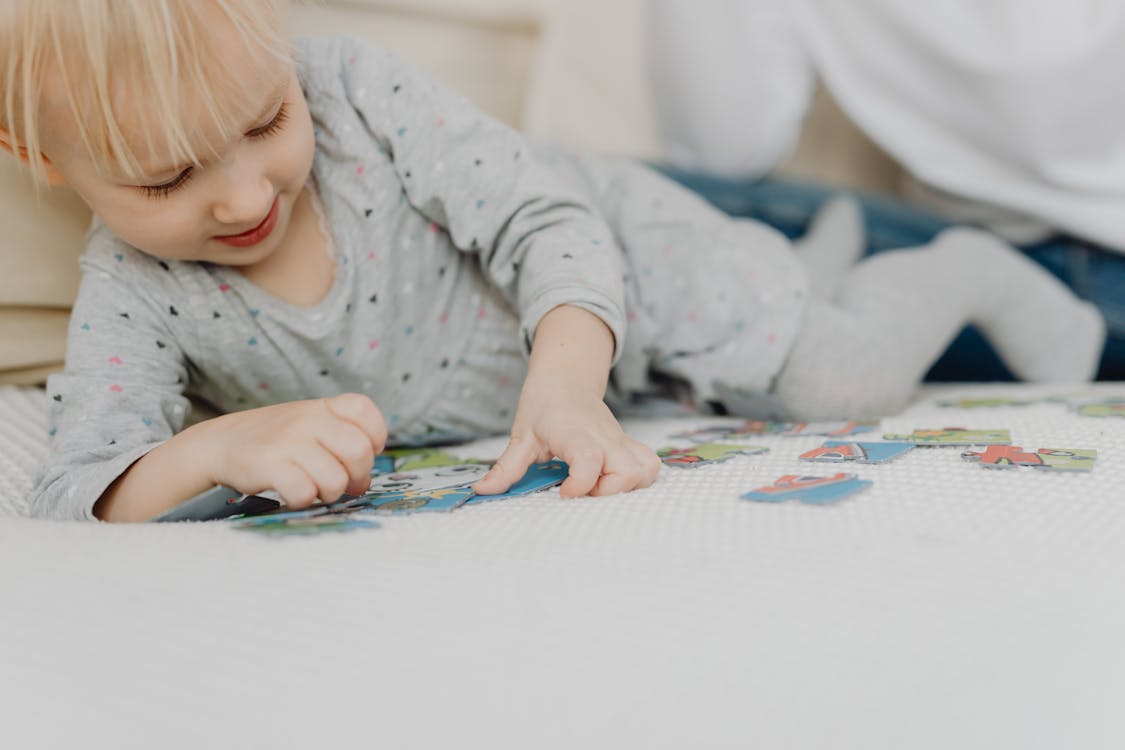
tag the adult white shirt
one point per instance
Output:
(1001, 107)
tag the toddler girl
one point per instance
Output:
(334, 252)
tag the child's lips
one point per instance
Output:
(255, 235)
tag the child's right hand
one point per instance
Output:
(304, 450)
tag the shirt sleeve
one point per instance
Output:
(732, 83)
(121, 392)
(539, 241)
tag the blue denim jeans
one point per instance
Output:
(1094, 273)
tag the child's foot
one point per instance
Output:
(1042, 331)
(1064, 347)
(833, 244)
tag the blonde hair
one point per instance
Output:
(163, 53)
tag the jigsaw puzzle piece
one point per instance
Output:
(836, 451)
(954, 436)
(538, 477)
(705, 454)
(809, 489)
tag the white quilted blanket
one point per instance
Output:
(23, 445)
(949, 606)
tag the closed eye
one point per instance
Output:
(167, 188)
(272, 126)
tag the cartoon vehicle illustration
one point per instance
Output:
(838, 451)
(1052, 459)
(427, 479)
(401, 503)
(809, 489)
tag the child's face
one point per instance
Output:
(233, 210)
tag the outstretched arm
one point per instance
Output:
(562, 413)
(732, 83)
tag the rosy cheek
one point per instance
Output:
(157, 227)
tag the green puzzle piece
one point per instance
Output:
(949, 436)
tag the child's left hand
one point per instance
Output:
(559, 418)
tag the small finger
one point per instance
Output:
(509, 468)
(352, 448)
(325, 471)
(293, 485)
(650, 463)
(622, 472)
(585, 469)
(629, 465)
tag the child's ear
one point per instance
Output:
(7, 143)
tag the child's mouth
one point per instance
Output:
(255, 235)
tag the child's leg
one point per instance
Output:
(834, 242)
(895, 313)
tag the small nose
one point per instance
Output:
(246, 195)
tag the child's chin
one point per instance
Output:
(234, 255)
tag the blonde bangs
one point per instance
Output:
(102, 60)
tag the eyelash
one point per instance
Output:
(163, 191)
(276, 124)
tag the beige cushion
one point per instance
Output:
(591, 89)
(33, 338)
(832, 149)
(39, 251)
(483, 48)
(505, 13)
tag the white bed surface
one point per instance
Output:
(949, 606)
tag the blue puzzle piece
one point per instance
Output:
(538, 477)
(383, 464)
(403, 503)
(282, 525)
(809, 490)
(836, 451)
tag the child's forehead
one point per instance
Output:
(150, 125)
(167, 126)
(133, 100)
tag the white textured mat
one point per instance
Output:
(23, 445)
(947, 607)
